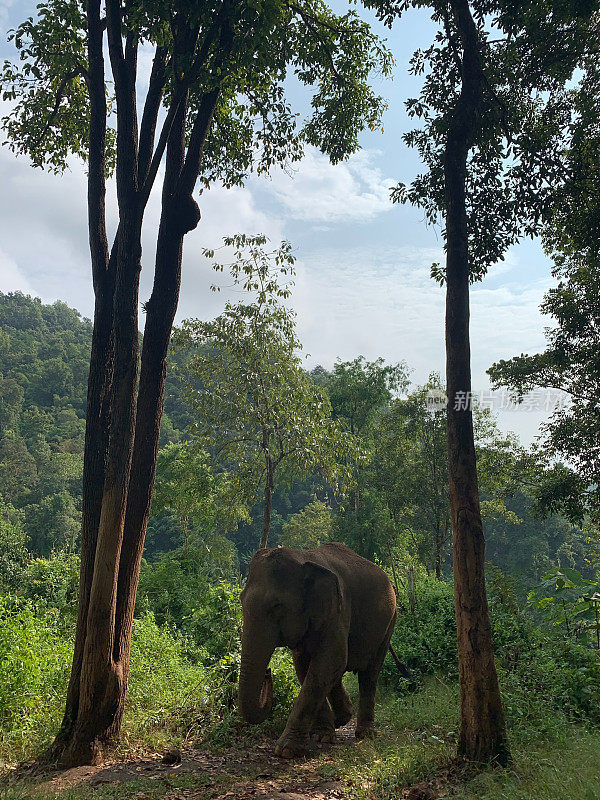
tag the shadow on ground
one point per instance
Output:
(242, 772)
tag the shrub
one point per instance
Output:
(215, 622)
(542, 671)
(35, 658)
(426, 639)
(13, 550)
(53, 582)
(162, 676)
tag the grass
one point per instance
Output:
(564, 769)
(417, 743)
(418, 740)
(147, 788)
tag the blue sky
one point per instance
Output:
(362, 284)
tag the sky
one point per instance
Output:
(362, 282)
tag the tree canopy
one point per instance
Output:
(257, 409)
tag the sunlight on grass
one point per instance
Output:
(416, 742)
(566, 769)
(418, 737)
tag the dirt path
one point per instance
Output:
(238, 774)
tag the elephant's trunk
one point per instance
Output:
(256, 684)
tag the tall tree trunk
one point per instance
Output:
(100, 684)
(269, 485)
(482, 732)
(180, 214)
(120, 443)
(96, 445)
(160, 313)
(95, 680)
(101, 361)
(438, 555)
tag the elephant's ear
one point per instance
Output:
(322, 593)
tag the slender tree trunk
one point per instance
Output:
(269, 485)
(180, 214)
(482, 732)
(160, 313)
(100, 683)
(101, 361)
(95, 680)
(121, 446)
(96, 445)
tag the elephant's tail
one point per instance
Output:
(401, 667)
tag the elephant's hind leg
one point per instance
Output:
(341, 705)
(367, 685)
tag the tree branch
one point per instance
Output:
(312, 24)
(123, 65)
(306, 15)
(451, 42)
(180, 94)
(156, 86)
(97, 147)
(60, 94)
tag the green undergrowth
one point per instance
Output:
(183, 687)
(179, 692)
(417, 743)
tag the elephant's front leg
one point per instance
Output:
(325, 669)
(323, 727)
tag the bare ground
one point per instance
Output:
(240, 773)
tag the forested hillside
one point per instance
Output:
(43, 378)
(207, 522)
(198, 532)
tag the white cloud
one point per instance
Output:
(382, 302)
(318, 191)
(11, 277)
(4, 14)
(43, 231)
(377, 302)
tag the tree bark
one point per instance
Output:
(160, 314)
(179, 215)
(123, 419)
(101, 360)
(95, 678)
(101, 676)
(269, 485)
(482, 733)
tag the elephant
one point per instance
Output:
(336, 612)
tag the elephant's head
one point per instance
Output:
(285, 595)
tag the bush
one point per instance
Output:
(162, 676)
(542, 672)
(172, 586)
(35, 658)
(215, 623)
(13, 550)
(53, 582)
(426, 639)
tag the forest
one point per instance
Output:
(185, 647)
(162, 477)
